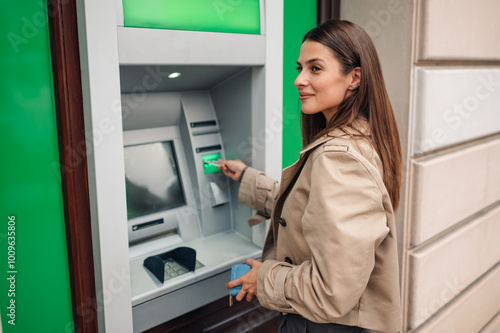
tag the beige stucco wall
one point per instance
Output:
(441, 61)
(458, 30)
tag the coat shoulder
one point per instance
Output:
(358, 147)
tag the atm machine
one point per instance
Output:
(166, 223)
(177, 198)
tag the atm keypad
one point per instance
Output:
(173, 269)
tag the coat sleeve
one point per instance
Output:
(258, 192)
(343, 224)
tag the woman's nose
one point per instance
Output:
(301, 80)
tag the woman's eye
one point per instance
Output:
(315, 68)
(299, 68)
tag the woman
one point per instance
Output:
(330, 260)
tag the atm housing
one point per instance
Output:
(180, 127)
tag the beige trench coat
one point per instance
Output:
(331, 255)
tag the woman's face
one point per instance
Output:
(322, 85)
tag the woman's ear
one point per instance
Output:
(355, 78)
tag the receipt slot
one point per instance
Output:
(218, 195)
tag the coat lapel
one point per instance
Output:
(287, 177)
(289, 173)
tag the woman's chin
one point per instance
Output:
(309, 111)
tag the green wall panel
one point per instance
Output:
(300, 17)
(234, 16)
(30, 188)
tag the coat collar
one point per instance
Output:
(288, 174)
(359, 125)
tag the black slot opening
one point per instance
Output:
(146, 224)
(208, 148)
(203, 123)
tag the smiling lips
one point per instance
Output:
(304, 96)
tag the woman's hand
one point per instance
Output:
(247, 281)
(232, 168)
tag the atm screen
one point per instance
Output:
(152, 180)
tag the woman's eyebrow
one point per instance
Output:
(311, 60)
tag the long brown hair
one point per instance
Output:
(353, 48)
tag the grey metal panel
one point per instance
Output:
(119, 13)
(470, 311)
(103, 128)
(454, 105)
(154, 303)
(140, 111)
(198, 107)
(182, 218)
(440, 271)
(139, 79)
(170, 306)
(138, 46)
(232, 101)
(217, 253)
(265, 143)
(448, 187)
(458, 30)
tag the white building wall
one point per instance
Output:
(441, 61)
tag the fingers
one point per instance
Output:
(226, 170)
(248, 283)
(224, 163)
(234, 165)
(250, 293)
(241, 296)
(234, 283)
(244, 291)
(232, 168)
(252, 262)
